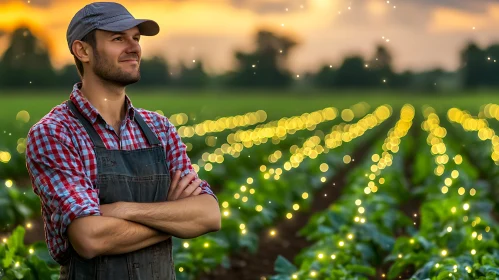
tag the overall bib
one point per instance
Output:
(134, 176)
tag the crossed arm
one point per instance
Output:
(60, 180)
(128, 226)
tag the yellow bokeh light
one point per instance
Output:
(347, 159)
(324, 167)
(347, 115)
(23, 116)
(5, 157)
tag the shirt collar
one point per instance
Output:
(89, 111)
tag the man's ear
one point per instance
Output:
(82, 50)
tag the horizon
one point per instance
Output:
(432, 37)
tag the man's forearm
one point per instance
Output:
(185, 218)
(111, 236)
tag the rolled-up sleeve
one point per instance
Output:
(177, 158)
(59, 179)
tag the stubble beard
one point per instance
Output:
(105, 70)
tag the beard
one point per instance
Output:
(104, 69)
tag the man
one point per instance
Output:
(115, 181)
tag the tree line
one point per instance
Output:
(26, 63)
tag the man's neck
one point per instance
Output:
(107, 98)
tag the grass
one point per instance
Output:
(210, 104)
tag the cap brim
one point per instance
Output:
(146, 27)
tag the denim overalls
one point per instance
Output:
(134, 176)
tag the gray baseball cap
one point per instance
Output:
(108, 16)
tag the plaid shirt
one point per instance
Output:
(63, 169)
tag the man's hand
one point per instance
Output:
(185, 187)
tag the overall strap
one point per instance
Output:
(151, 137)
(87, 125)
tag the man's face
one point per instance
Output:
(117, 56)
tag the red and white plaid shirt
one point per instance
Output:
(61, 162)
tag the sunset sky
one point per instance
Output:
(422, 33)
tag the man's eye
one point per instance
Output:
(117, 38)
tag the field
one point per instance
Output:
(210, 104)
(312, 185)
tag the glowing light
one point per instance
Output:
(347, 159)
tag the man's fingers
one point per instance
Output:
(190, 188)
(173, 185)
(182, 184)
(197, 191)
(176, 178)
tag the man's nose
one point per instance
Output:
(133, 46)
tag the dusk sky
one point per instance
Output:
(421, 34)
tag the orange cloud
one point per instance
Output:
(454, 20)
(377, 7)
(176, 18)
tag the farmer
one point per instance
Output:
(114, 181)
